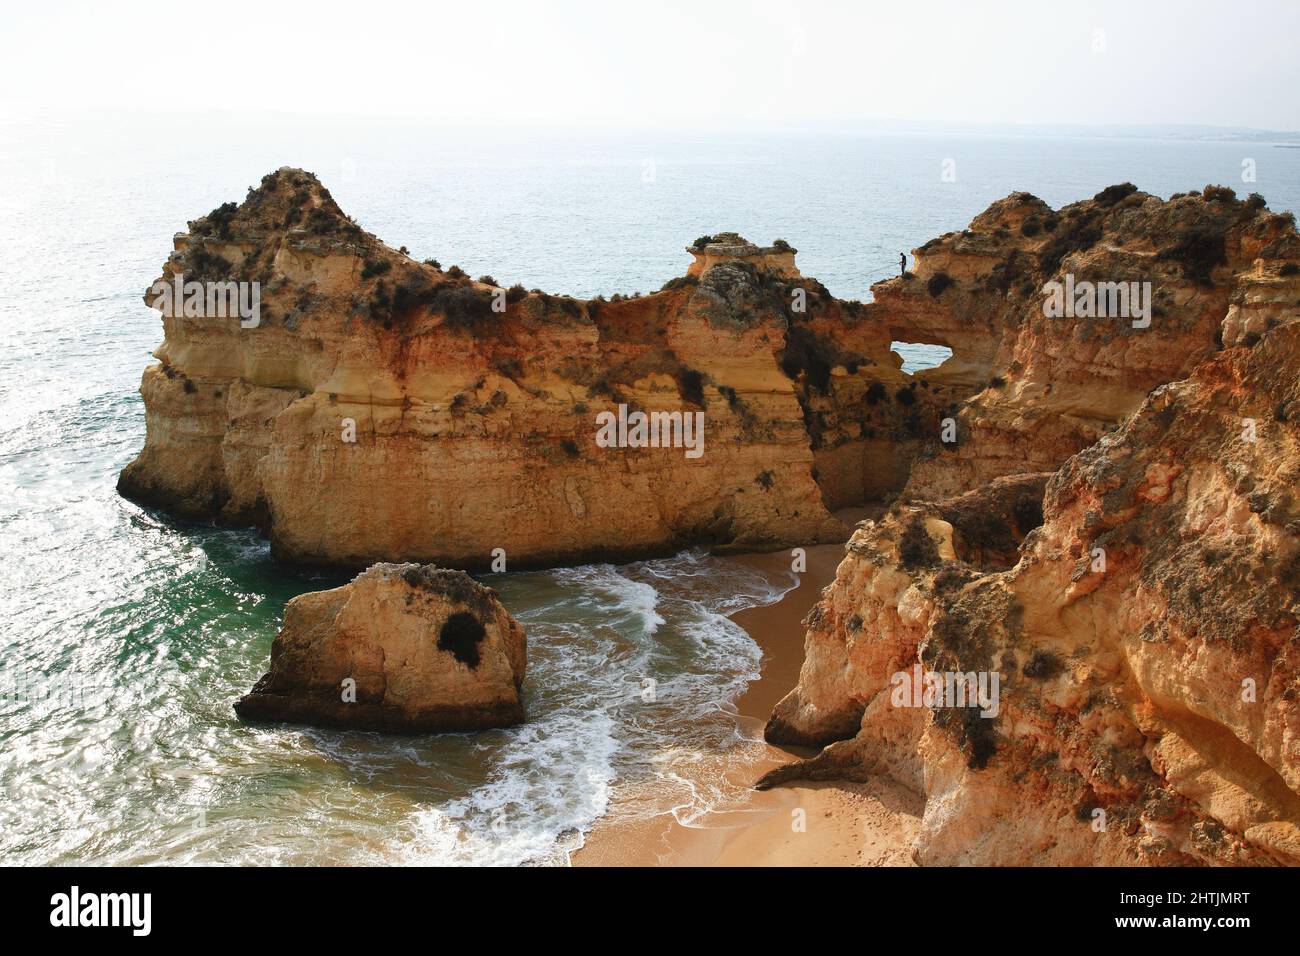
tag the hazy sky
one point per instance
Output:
(707, 62)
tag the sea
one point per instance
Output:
(126, 634)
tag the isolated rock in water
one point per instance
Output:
(403, 648)
(1146, 643)
(443, 418)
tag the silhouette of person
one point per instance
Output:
(902, 264)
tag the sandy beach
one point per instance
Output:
(811, 824)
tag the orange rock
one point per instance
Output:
(403, 648)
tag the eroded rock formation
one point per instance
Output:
(1145, 636)
(402, 648)
(1048, 387)
(473, 407)
(1147, 703)
(386, 409)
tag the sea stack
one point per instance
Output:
(403, 648)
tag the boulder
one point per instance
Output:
(403, 648)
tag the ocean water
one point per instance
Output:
(126, 635)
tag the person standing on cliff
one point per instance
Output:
(902, 264)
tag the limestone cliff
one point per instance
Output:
(1146, 636)
(1063, 516)
(1049, 386)
(387, 409)
(474, 408)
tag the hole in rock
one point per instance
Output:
(920, 355)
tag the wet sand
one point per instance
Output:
(812, 824)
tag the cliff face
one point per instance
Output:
(474, 409)
(385, 409)
(1145, 639)
(388, 409)
(1047, 387)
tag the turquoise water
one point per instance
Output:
(127, 635)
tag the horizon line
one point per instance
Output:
(11, 115)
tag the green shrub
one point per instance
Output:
(376, 267)
(1074, 235)
(804, 353)
(916, 549)
(204, 266)
(1113, 194)
(1043, 665)
(1198, 253)
(296, 202)
(463, 305)
(511, 368)
(679, 282)
(320, 222)
(219, 220)
(603, 385)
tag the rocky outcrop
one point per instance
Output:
(402, 648)
(1146, 641)
(1106, 544)
(1049, 386)
(709, 251)
(389, 409)
(386, 409)
(854, 645)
